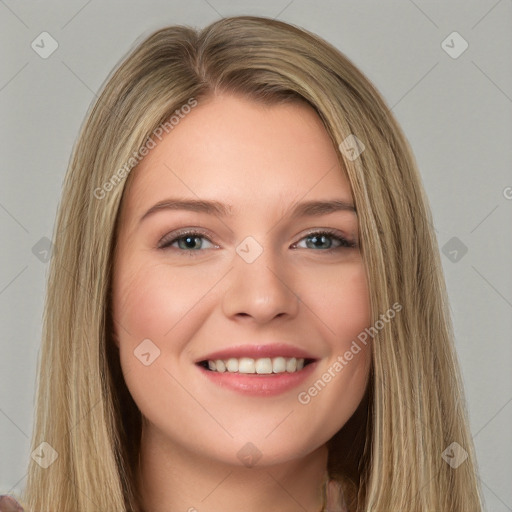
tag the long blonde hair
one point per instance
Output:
(414, 407)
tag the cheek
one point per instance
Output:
(351, 315)
(344, 305)
(152, 301)
(148, 303)
(157, 310)
(340, 383)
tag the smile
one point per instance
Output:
(259, 366)
(252, 383)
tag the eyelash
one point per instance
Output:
(166, 244)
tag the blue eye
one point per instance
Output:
(321, 237)
(190, 241)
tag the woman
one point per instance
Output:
(202, 349)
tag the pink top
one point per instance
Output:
(9, 504)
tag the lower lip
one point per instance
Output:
(271, 384)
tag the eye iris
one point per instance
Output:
(315, 239)
(189, 240)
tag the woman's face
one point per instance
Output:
(254, 286)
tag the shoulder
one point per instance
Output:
(9, 504)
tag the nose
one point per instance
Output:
(261, 290)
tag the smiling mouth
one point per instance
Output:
(260, 366)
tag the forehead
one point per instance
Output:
(244, 154)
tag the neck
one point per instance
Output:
(174, 478)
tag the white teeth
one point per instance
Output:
(279, 364)
(291, 364)
(262, 366)
(246, 365)
(232, 365)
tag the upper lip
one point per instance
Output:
(257, 351)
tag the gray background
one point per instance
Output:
(456, 113)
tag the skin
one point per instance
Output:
(261, 160)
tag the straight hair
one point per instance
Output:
(388, 457)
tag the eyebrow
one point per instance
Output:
(304, 209)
